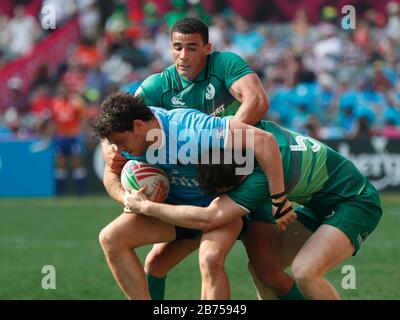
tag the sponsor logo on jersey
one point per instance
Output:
(177, 101)
(361, 237)
(330, 215)
(210, 91)
(176, 178)
(218, 111)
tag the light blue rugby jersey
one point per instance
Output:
(187, 134)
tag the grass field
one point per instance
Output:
(64, 232)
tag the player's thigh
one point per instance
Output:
(216, 243)
(263, 242)
(164, 256)
(292, 240)
(136, 230)
(325, 249)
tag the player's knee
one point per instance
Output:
(302, 272)
(211, 261)
(270, 277)
(108, 241)
(154, 265)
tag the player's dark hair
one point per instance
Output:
(191, 25)
(117, 113)
(214, 177)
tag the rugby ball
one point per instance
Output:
(136, 174)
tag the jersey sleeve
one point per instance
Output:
(150, 90)
(252, 192)
(230, 67)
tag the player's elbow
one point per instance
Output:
(206, 224)
(262, 103)
(263, 139)
(211, 219)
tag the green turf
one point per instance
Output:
(64, 232)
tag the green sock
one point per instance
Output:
(156, 287)
(293, 294)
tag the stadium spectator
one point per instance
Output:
(43, 78)
(68, 114)
(41, 110)
(4, 39)
(23, 31)
(89, 18)
(75, 76)
(393, 25)
(246, 41)
(64, 10)
(18, 99)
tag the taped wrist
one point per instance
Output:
(280, 212)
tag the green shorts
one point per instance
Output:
(262, 213)
(356, 217)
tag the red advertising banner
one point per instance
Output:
(51, 51)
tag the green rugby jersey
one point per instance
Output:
(209, 92)
(314, 174)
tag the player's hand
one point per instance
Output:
(133, 201)
(283, 212)
(159, 193)
(114, 160)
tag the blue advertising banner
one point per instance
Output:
(26, 168)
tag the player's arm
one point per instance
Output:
(268, 156)
(221, 211)
(265, 148)
(254, 103)
(112, 184)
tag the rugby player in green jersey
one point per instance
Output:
(220, 83)
(337, 203)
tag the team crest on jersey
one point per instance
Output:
(177, 101)
(210, 91)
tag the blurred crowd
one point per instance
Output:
(320, 79)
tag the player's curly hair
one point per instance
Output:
(117, 113)
(215, 177)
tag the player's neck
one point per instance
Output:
(156, 134)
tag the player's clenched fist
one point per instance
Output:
(114, 160)
(283, 211)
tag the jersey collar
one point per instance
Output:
(203, 75)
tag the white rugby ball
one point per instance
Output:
(136, 174)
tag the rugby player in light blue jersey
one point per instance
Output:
(126, 121)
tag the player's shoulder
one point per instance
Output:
(226, 56)
(186, 116)
(158, 80)
(151, 81)
(188, 112)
